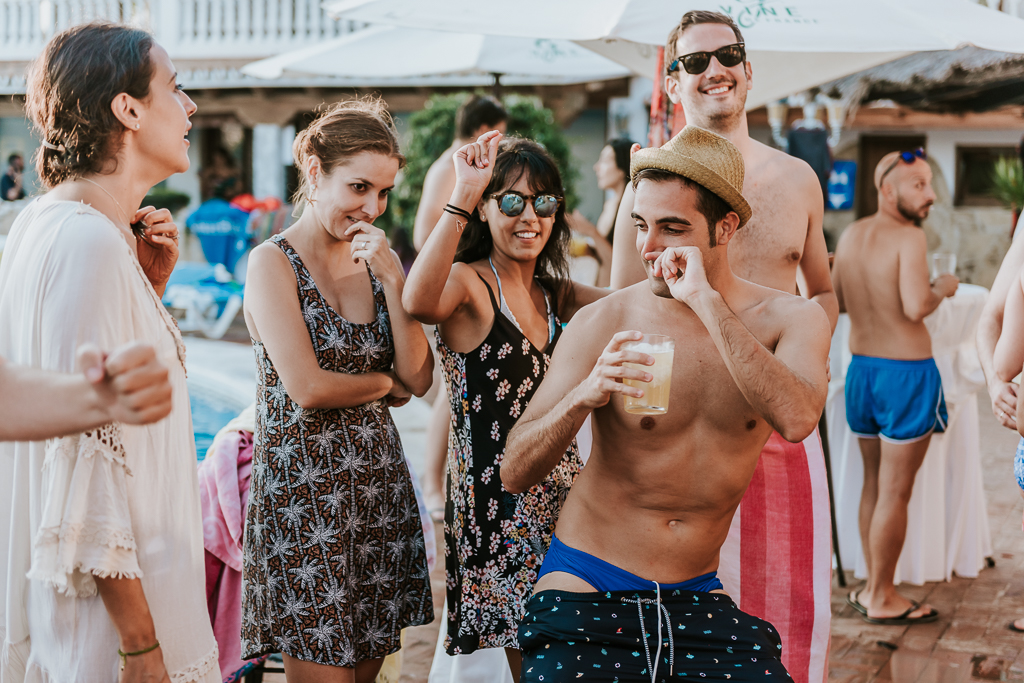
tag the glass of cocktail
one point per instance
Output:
(656, 392)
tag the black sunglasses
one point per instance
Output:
(697, 62)
(512, 203)
(907, 158)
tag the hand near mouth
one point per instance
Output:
(370, 244)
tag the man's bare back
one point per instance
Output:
(881, 270)
(658, 493)
(877, 259)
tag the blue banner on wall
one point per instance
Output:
(841, 185)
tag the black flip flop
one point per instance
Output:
(1013, 627)
(904, 619)
(855, 603)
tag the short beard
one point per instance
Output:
(658, 285)
(916, 217)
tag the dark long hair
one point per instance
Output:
(518, 158)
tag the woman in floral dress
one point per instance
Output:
(334, 559)
(493, 277)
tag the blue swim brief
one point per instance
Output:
(1018, 464)
(605, 576)
(900, 401)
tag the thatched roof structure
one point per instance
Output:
(950, 81)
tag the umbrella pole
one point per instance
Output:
(496, 88)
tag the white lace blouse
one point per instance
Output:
(118, 501)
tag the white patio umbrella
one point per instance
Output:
(384, 54)
(792, 44)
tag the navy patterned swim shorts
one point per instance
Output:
(615, 636)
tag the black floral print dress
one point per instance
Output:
(495, 541)
(334, 560)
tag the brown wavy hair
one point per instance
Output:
(70, 88)
(341, 131)
(516, 158)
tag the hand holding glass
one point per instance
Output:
(943, 263)
(656, 392)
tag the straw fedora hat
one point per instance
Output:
(705, 158)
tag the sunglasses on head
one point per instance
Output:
(512, 204)
(907, 158)
(697, 62)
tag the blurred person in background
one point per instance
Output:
(612, 169)
(894, 398)
(12, 182)
(475, 116)
(106, 575)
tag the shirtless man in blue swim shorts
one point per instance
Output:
(894, 396)
(628, 589)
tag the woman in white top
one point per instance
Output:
(101, 530)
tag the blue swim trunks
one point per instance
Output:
(1018, 464)
(900, 401)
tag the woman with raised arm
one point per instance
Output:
(493, 276)
(105, 574)
(335, 564)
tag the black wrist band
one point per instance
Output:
(457, 211)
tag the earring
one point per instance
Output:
(310, 198)
(136, 126)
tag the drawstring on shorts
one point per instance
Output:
(640, 602)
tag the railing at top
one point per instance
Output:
(188, 29)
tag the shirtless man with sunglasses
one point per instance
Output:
(776, 562)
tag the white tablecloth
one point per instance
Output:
(947, 529)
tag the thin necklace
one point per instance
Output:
(120, 211)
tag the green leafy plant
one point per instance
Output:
(1008, 183)
(433, 129)
(162, 198)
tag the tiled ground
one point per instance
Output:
(970, 642)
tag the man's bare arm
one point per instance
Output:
(919, 296)
(437, 190)
(787, 388)
(1003, 395)
(814, 271)
(574, 386)
(627, 267)
(1008, 358)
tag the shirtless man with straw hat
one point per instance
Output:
(777, 561)
(628, 589)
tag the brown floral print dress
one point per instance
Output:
(334, 560)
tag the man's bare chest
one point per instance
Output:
(772, 242)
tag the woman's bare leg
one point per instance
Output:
(435, 459)
(515, 662)
(298, 671)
